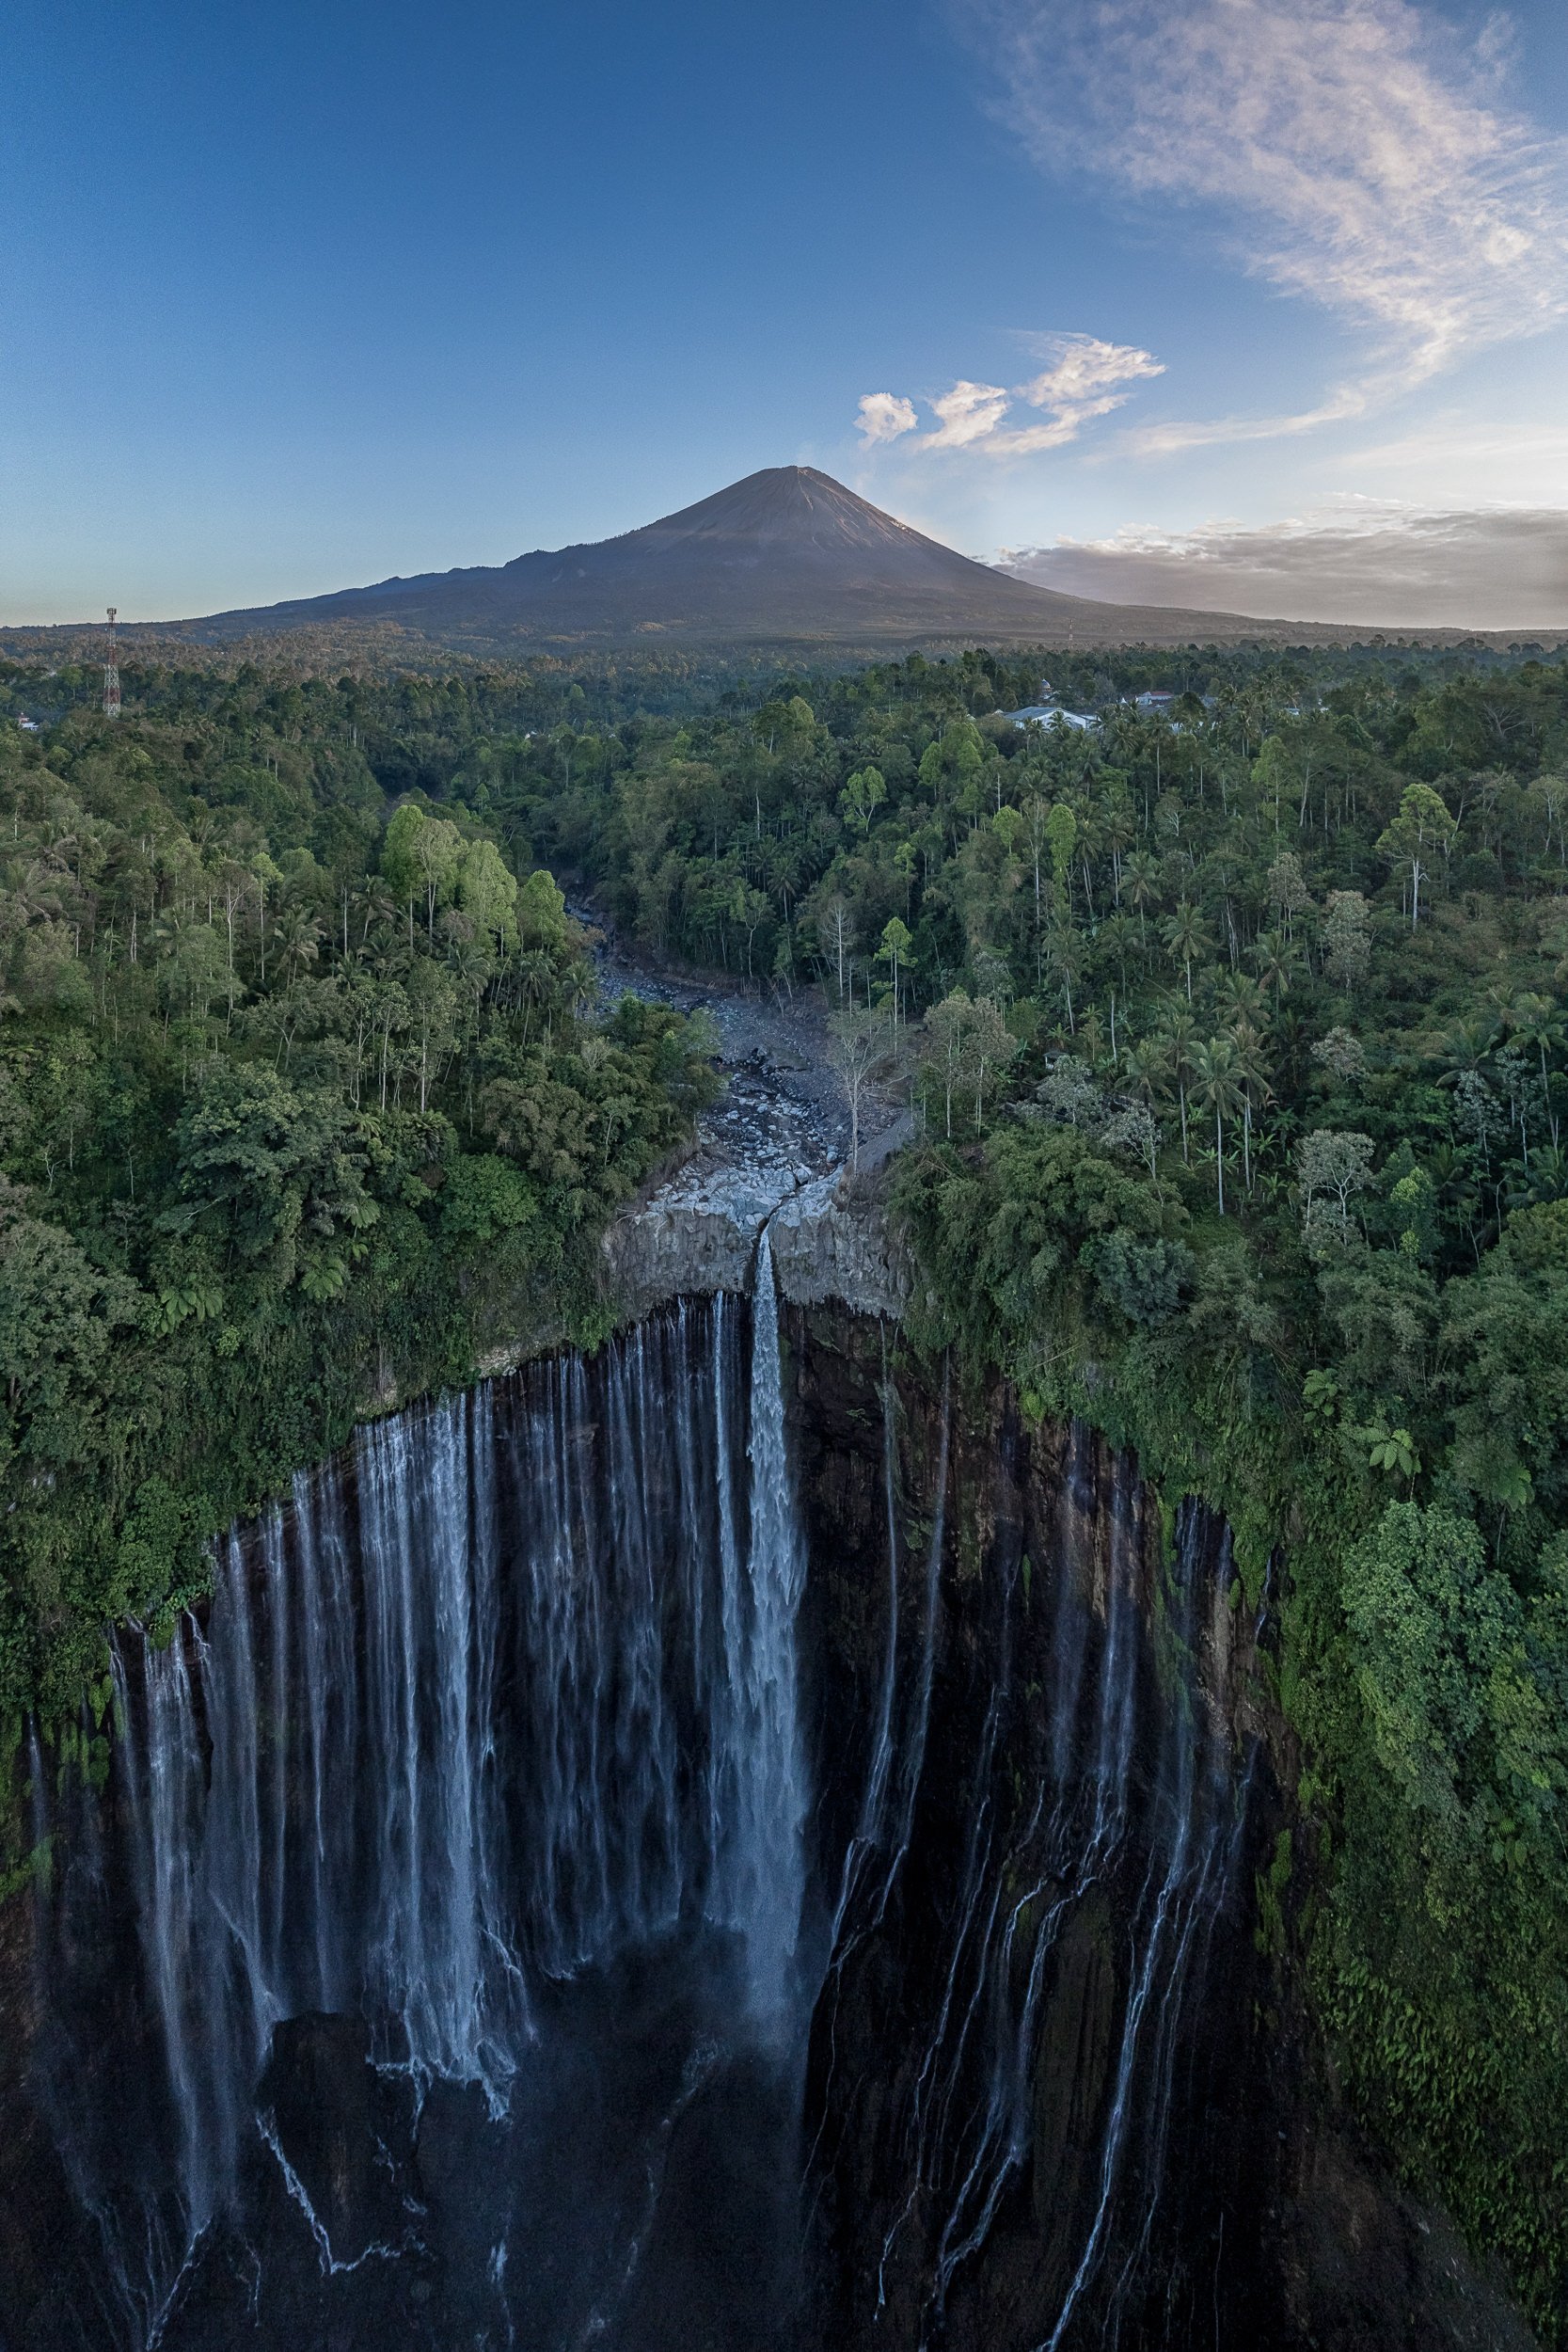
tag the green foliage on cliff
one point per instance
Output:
(303, 1099)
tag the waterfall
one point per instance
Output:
(442, 1930)
(759, 1774)
(864, 1845)
(874, 1841)
(1087, 1843)
(506, 1694)
(1130, 1815)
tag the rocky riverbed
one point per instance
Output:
(773, 1151)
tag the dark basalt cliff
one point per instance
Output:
(1051, 2091)
(1243, 2212)
(970, 2051)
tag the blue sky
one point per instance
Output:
(1208, 291)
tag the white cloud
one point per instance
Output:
(967, 414)
(883, 416)
(1083, 371)
(1357, 156)
(1357, 561)
(1086, 378)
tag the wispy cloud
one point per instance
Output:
(1086, 378)
(967, 414)
(1347, 150)
(1364, 561)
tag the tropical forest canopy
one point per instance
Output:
(303, 1095)
(1237, 1025)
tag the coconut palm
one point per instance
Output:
(1187, 939)
(1216, 1085)
(1239, 997)
(1089, 843)
(1064, 958)
(1143, 1069)
(1174, 1042)
(298, 938)
(1252, 1068)
(1118, 939)
(1466, 1049)
(1141, 882)
(1116, 835)
(1535, 1021)
(1271, 955)
(376, 905)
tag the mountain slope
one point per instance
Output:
(787, 555)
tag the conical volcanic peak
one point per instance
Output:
(792, 507)
(786, 557)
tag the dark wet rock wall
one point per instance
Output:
(1046, 2089)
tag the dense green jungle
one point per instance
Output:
(1238, 1028)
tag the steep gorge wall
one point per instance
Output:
(1041, 2049)
(1048, 2069)
(957, 2104)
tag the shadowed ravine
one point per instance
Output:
(712, 1844)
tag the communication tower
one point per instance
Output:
(111, 672)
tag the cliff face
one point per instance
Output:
(1053, 2091)
(828, 1236)
(1038, 2088)
(969, 2053)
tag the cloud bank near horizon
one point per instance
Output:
(1357, 561)
(1352, 152)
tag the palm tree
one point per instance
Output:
(1142, 1068)
(1062, 955)
(1186, 938)
(297, 935)
(1116, 937)
(1239, 997)
(1535, 1021)
(1252, 1068)
(1466, 1049)
(1087, 847)
(1272, 958)
(1175, 1043)
(1216, 1086)
(1116, 833)
(378, 906)
(35, 891)
(1141, 880)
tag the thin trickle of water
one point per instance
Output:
(864, 1844)
(877, 1850)
(870, 1825)
(1178, 1904)
(919, 1725)
(1162, 1846)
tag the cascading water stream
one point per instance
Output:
(760, 1797)
(506, 1697)
(476, 1806)
(1131, 1818)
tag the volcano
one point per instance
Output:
(787, 556)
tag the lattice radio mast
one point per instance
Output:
(111, 672)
